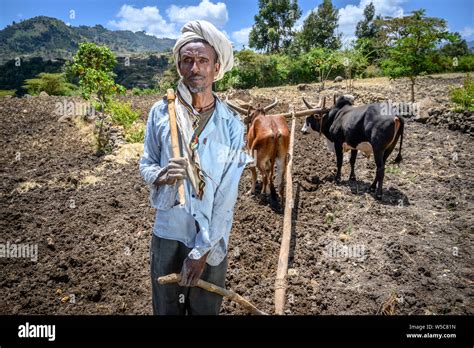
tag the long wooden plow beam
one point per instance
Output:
(175, 278)
(280, 282)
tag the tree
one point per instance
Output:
(319, 28)
(456, 48)
(367, 27)
(411, 41)
(366, 31)
(355, 61)
(273, 28)
(321, 62)
(94, 66)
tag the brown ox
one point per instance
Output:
(268, 140)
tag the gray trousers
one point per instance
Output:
(167, 256)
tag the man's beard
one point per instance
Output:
(196, 89)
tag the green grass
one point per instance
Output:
(393, 170)
(329, 219)
(7, 92)
(349, 229)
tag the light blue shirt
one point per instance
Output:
(222, 158)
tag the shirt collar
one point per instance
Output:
(222, 108)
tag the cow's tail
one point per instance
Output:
(276, 142)
(398, 159)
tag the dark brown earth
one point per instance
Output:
(91, 220)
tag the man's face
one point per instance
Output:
(198, 66)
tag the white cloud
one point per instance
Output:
(150, 20)
(350, 15)
(147, 19)
(241, 37)
(216, 13)
(467, 32)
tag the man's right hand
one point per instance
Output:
(175, 170)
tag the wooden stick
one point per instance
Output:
(174, 140)
(175, 278)
(280, 282)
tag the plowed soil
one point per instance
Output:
(411, 253)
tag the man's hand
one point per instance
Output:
(175, 170)
(192, 271)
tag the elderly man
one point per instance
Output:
(192, 240)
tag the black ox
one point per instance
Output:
(366, 128)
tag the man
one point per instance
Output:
(192, 240)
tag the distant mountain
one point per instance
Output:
(51, 38)
(470, 45)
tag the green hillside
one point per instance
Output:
(51, 38)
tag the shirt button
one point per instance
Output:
(193, 196)
(194, 214)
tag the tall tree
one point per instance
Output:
(411, 41)
(319, 28)
(367, 27)
(367, 31)
(273, 28)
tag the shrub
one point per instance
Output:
(7, 92)
(465, 63)
(372, 71)
(136, 132)
(136, 91)
(121, 113)
(463, 97)
(53, 84)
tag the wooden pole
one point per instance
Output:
(174, 140)
(175, 278)
(280, 283)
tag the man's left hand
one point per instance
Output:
(192, 271)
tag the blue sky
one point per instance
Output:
(164, 18)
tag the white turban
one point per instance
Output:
(204, 30)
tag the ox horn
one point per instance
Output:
(300, 113)
(241, 103)
(308, 105)
(321, 101)
(271, 106)
(237, 108)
